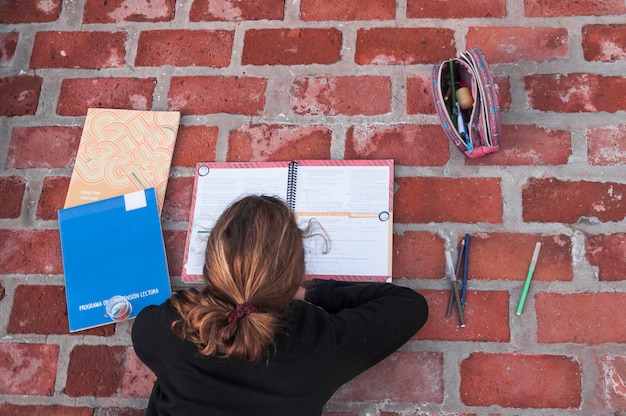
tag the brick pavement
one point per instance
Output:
(274, 80)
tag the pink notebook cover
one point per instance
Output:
(271, 178)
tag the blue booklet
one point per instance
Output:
(113, 259)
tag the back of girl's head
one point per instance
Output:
(255, 258)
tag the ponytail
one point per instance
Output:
(254, 266)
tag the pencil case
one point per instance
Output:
(472, 121)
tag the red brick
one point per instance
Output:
(521, 381)
(579, 318)
(29, 11)
(418, 255)
(426, 199)
(513, 44)
(262, 142)
(606, 146)
(77, 95)
(51, 410)
(577, 92)
(486, 317)
(8, 43)
(178, 196)
(529, 145)
(420, 9)
(52, 197)
(503, 87)
(406, 377)
(210, 48)
(126, 411)
(605, 43)
(12, 189)
(405, 46)
(236, 10)
(232, 95)
(43, 310)
(556, 8)
(174, 247)
(95, 370)
(20, 95)
(28, 369)
(291, 46)
(87, 50)
(495, 256)
(195, 144)
(348, 95)
(407, 144)
(116, 11)
(60, 142)
(138, 379)
(312, 10)
(555, 200)
(30, 252)
(608, 254)
(419, 97)
(614, 372)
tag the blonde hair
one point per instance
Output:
(254, 256)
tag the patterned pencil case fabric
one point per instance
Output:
(475, 128)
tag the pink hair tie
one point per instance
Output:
(242, 310)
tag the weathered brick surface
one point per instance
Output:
(486, 317)
(495, 256)
(184, 48)
(20, 95)
(394, 379)
(28, 369)
(530, 145)
(423, 9)
(12, 188)
(116, 11)
(89, 50)
(29, 11)
(210, 95)
(8, 43)
(406, 46)
(426, 145)
(42, 310)
(236, 10)
(315, 10)
(607, 145)
(195, 144)
(521, 381)
(30, 252)
(425, 263)
(550, 199)
(606, 43)
(278, 142)
(351, 95)
(547, 8)
(291, 46)
(77, 95)
(608, 254)
(266, 80)
(583, 318)
(513, 44)
(576, 92)
(52, 198)
(422, 200)
(61, 144)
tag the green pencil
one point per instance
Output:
(529, 277)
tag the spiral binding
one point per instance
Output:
(292, 174)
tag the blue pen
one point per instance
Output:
(462, 127)
(464, 282)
